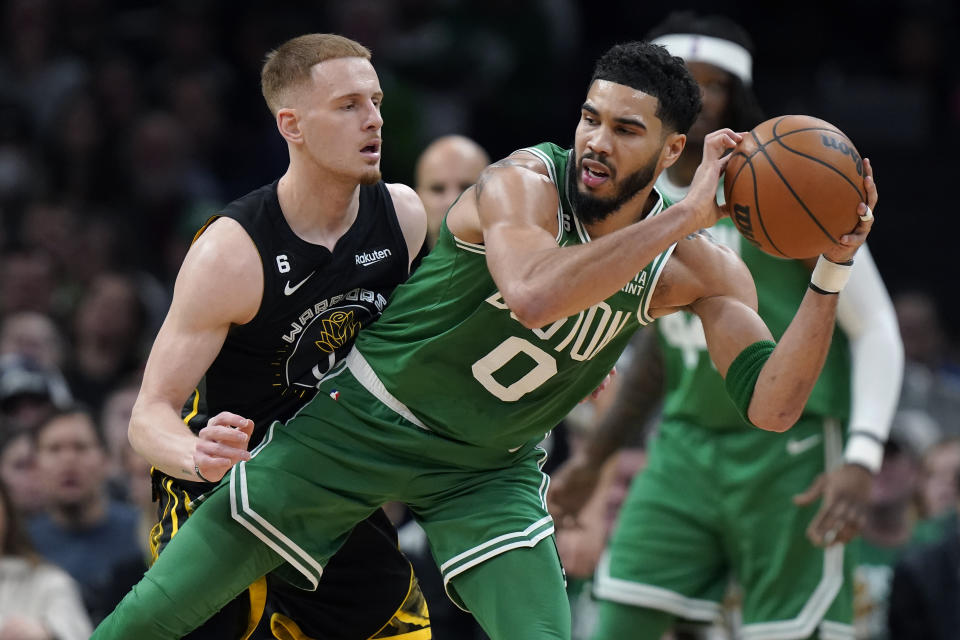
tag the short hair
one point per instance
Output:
(649, 68)
(288, 66)
(74, 409)
(743, 111)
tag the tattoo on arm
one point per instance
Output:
(488, 172)
(702, 233)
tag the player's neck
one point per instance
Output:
(681, 172)
(318, 208)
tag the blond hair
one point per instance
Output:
(288, 66)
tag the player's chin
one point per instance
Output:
(370, 176)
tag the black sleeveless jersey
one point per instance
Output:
(314, 303)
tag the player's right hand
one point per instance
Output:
(221, 444)
(571, 486)
(850, 242)
(702, 197)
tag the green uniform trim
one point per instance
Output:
(743, 373)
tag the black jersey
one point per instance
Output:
(314, 303)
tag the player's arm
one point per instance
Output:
(770, 385)
(865, 313)
(412, 217)
(219, 284)
(514, 214)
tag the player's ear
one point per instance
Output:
(672, 148)
(289, 125)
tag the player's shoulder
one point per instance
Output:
(410, 214)
(404, 198)
(224, 248)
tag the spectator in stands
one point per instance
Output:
(931, 382)
(444, 170)
(18, 472)
(28, 392)
(82, 530)
(108, 337)
(926, 589)
(35, 336)
(38, 601)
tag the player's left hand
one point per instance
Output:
(845, 492)
(850, 242)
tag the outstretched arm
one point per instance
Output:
(865, 313)
(220, 283)
(773, 387)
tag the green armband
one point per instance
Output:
(743, 373)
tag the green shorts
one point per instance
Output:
(714, 505)
(346, 453)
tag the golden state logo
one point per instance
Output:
(321, 336)
(337, 330)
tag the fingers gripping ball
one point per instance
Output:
(793, 185)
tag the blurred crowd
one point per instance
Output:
(124, 125)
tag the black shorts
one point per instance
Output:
(367, 590)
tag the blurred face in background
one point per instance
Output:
(34, 336)
(447, 167)
(715, 91)
(940, 467)
(71, 461)
(18, 471)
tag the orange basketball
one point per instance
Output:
(793, 185)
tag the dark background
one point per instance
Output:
(508, 73)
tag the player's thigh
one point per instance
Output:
(786, 580)
(666, 551)
(518, 594)
(472, 516)
(616, 621)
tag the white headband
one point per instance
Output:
(693, 47)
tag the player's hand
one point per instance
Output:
(845, 491)
(571, 486)
(850, 242)
(702, 197)
(580, 549)
(221, 444)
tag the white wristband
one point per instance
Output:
(830, 277)
(865, 449)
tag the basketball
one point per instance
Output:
(793, 185)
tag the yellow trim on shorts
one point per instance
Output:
(283, 628)
(258, 602)
(195, 409)
(405, 616)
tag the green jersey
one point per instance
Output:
(449, 349)
(695, 391)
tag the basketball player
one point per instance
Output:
(446, 168)
(269, 297)
(542, 272)
(677, 544)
